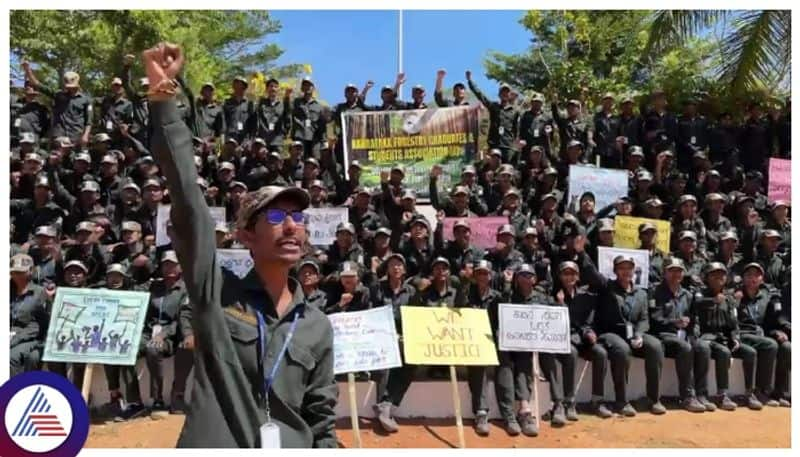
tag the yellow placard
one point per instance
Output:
(447, 336)
(626, 232)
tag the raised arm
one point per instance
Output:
(127, 61)
(437, 92)
(195, 245)
(31, 78)
(475, 90)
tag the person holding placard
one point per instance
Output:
(76, 274)
(392, 291)
(622, 322)
(476, 292)
(117, 278)
(514, 375)
(264, 358)
(582, 304)
(671, 322)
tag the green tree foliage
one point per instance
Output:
(584, 54)
(218, 44)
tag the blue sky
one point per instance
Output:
(354, 46)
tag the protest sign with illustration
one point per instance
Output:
(415, 140)
(321, 224)
(483, 230)
(96, 326)
(626, 232)
(641, 259)
(162, 216)
(447, 336)
(780, 180)
(534, 328)
(606, 184)
(237, 261)
(365, 340)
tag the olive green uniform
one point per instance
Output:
(227, 406)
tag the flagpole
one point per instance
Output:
(400, 50)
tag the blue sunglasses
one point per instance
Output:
(278, 216)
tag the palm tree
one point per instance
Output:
(755, 48)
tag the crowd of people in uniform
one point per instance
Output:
(86, 188)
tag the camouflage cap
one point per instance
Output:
(21, 263)
(674, 263)
(257, 200)
(482, 265)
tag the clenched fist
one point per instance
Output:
(162, 63)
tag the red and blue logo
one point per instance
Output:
(44, 415)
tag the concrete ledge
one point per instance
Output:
(433, 399)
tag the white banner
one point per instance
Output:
(364, 340)
(321, 224)
(534, 328)
(641, 259)
(237, 261)
(217, 213)
(606, 184)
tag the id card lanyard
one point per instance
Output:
(269, 377)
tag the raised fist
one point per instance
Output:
(288, 92)
(468, 74)
(370, 84)
(440, 73)
(162, 63)
(345, 300)
(128, 60)
(384, 176)
(436, 171)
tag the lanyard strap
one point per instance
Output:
(262, 348)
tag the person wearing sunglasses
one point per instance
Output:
(264, 356)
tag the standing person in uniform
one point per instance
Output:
(263, 357)
(32, 117)
(212, 119)
(459, 92)
(128, 406)
(308, 120)
(514, 374)
(477, 292)
(28, 317)
(167, 294)
(139, 128)
(237, 111)
(272, 117)
(536, 127)
(606, 126)
(503, 119)
(72, 109)
(394, 291)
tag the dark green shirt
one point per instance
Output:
(72, 113)
(28, 314)
(226, 411)
(308, 122)
(273, 119)
(212, 119)
(503, 120)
